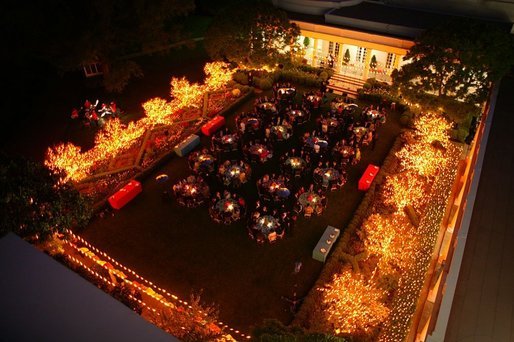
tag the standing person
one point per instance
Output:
(374, 140)
(330, 61)
(323, 86)
(114, 109)
(250, 78)
(94, 118)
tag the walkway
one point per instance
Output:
(483, 306)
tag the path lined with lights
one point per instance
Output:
(157, 294)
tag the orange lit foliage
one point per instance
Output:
(419, 155)
(218, 75)
(355, 304)
(158, 111)
(68, 157)
(185, 94)
(404, 188)
(401, 251)
(391, 238)
(115, 137)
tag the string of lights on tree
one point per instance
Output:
(115, 137)
(379, 303)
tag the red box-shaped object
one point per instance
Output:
(125, 194)
(368, 176)
(213, 125)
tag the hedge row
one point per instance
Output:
(339, 258)
(301, 75)
(246, 92)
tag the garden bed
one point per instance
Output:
(370, 286)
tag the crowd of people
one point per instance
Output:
(227, 208)
(314, 163)
(192, 191)
(92, 115)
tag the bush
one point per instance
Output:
(459, 134)
(240, 77)
(264, 83)
(406, 121)
(236, 92)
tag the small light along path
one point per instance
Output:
(153, 294)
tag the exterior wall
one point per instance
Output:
(380, 46)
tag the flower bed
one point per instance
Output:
(370, 286)
(122, 151)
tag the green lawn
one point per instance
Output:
(183, 250)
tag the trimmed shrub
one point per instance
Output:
(406, 121)
(323, 75)
(459, 134)
(264, 83)
(236, 92)
(240, 77)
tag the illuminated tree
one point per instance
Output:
(218, 75)
(158, 111)
(116, 137)
(185, 94)
(404, 188)
(392, 239)
(373, 62)
(346, 57)
(454, 60)
(252, 33)
(353, 305)
(69, 159)
(35, 202)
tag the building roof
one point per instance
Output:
(396, 22)
(320, 20)
(42, 300)
(391, 15)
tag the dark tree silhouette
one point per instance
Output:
(458, 59)
(35, 203)
(253, 33)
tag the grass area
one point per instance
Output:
(183, 250)
(197, 25)
(49, 121)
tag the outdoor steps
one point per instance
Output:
(340, 90)
(339, 84)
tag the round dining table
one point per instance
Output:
(286, 93)
(326, 175)
(298, 116)
(261, 152)
(202, 163)
(281, 132)
(266, 225)
(226, 210)
(231, 174)
(295, 163)
(267, 107)
(275, 189)
(312, 141)
(252, 124)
